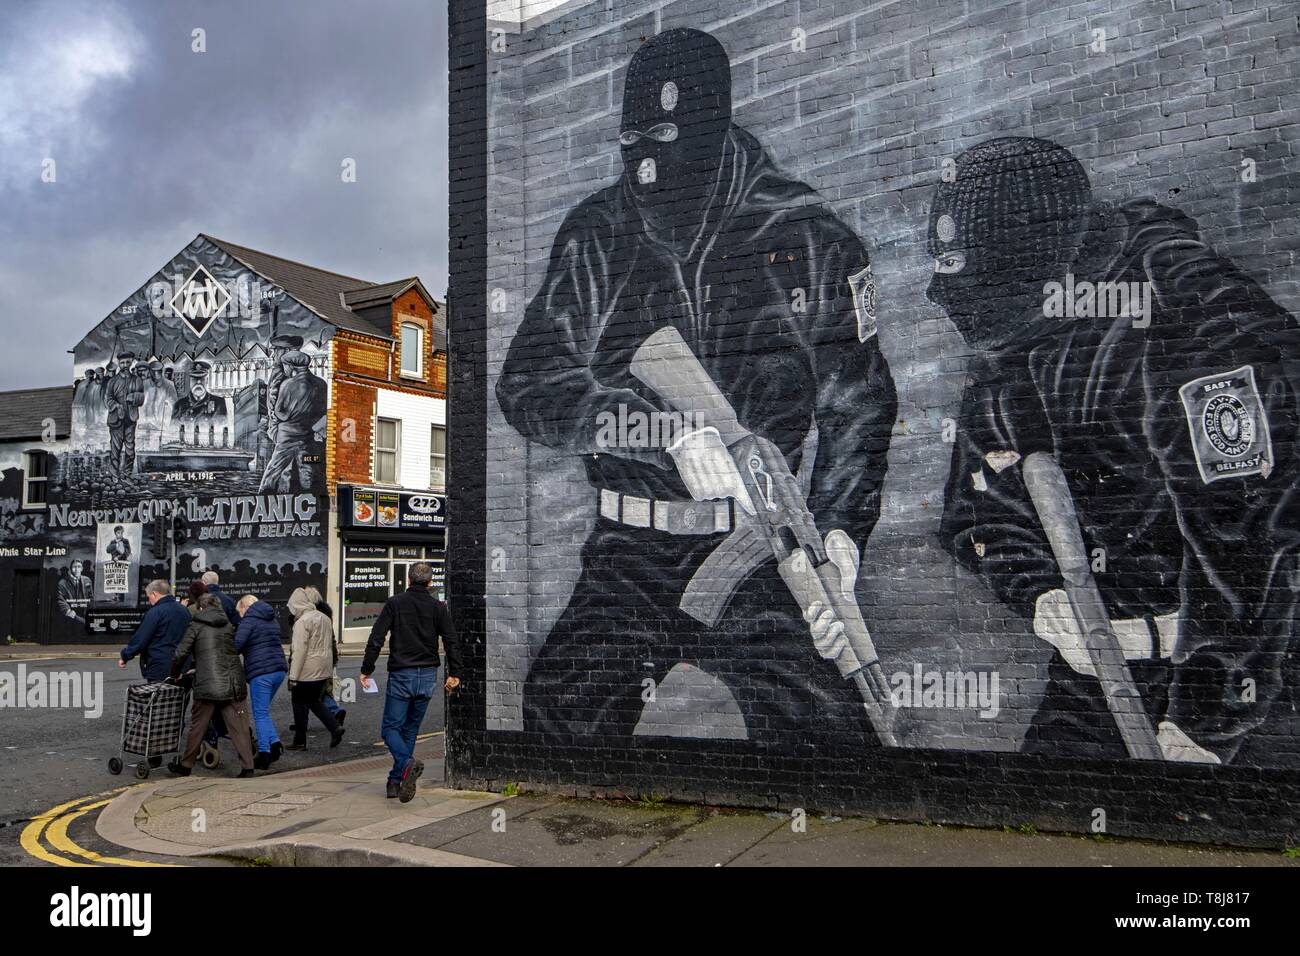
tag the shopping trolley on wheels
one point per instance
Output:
(153, 724)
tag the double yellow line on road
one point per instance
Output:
(53, 825)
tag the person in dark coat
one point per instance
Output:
(161, 630)
(219, 685)
(212, 581)
(773, 294)
(1174, 421)
(258, 639)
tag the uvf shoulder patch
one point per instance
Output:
(864, 302)
(1229, 428)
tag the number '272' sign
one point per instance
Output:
(361, 507)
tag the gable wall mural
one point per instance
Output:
(203, 396)
(874, 397)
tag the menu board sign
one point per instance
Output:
(363, 508)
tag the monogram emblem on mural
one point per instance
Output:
(200, 300)
(946, 229)
(689, 518)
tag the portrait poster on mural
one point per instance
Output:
(117, 563)
(73, 594)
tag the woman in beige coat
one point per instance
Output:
(311, 665)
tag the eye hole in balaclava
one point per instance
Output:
(676, 113)
(1009, 223)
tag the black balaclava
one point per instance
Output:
(1016, 211)
(676, 114)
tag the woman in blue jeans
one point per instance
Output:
(258, 639)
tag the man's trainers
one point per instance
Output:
(246, 772)
(337, 738)
(391, 791)
(406, 789)
(178, 768)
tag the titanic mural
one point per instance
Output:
(204, 397)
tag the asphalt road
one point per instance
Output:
(51, 755)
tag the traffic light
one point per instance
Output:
(158, 537)
(180, 530)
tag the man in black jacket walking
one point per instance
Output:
(416, 619)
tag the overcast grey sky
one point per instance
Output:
(154, 143)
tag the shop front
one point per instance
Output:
(382, 532)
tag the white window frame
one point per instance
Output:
(434, 456)
(28, 481)
(420, 371)
(395, 451)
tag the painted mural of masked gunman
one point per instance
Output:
(123, 396)
(707, 291)
(300, 405)
(1125, 470)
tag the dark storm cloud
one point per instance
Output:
(154, 143)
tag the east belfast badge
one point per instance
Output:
(1229, 428)
(864, 302)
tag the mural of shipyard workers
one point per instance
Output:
(123, 396)
(302, 399)
(201, 418)
(281, 345)
(702, 234)
(155, 425)
(90, 409)
(1173, 421)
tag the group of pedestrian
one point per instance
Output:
(233, 653)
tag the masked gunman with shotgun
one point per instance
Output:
(706, 291)
(1123, 476)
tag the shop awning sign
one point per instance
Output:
(391, 510)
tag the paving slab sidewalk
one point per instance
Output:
(330, 815)
(338, 815)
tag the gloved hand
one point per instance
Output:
(1054, 622)
(1176, 745)
(708, 469)
(826, 628)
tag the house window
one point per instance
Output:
(412, 351)
(388, 437)
(36, 473)
(438, 459)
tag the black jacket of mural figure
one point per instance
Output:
(772, 294)
(1173, 421)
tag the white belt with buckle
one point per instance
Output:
(672, 517)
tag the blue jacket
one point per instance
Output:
(156, 638)
(258, 639)
(227, 605)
